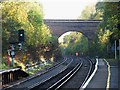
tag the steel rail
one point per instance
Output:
(63, 80)
(91, 76)
(35, 76)
(89, 72)
(37, 84)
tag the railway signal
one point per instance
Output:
(16, 37)
(76, 53)
(21, 35)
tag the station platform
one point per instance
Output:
(104, 78)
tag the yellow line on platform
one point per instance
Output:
(109, 73)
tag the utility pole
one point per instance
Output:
(119, 48)
(12, 54)
(115, 51)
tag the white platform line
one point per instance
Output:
(109, 74)
(90, 78)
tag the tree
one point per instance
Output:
(110, 17)
(91, 13)
(27, 16)
(14, 17)
(107, 29)
(75, 42)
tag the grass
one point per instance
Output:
(3, 66)
(41, 67)
(113, 62)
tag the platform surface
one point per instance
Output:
(99, 81)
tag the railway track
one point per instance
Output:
(62, 80)
(72, 73)
(47, 69)
(80, 78)
(41, 76)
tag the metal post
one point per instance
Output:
(12, 61)
(12, 54)
(107, 50)
(115, 51)
(119, 48)
(9, 77)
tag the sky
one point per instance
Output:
(64, 9)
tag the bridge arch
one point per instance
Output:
(69, 40)
(67, 33)
(86, 27)
(73, 32)
(60, 26)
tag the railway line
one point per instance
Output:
(34, 79)
(79, 79)
(71, 73)
(59, 78)
(7, 83)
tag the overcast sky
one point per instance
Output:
(64, 9)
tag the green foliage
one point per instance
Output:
(12, 19)
(75, 42)
(3, 66)
(53, 48)
(27, 16)
(40, 68)
(98, 49)
(107, 28)
(91, 12)
(110, 18)
(104, 36)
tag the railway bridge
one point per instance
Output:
(61, 26)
